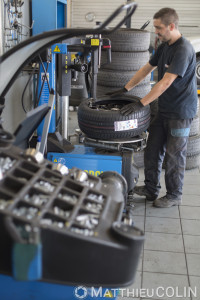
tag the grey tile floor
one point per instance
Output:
(170, 261)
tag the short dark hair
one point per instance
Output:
(167, 16)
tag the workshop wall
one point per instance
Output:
(1, 27)
(86, 13)
(13, 113)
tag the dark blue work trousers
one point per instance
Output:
(167, 138)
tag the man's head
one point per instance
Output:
(166, 23)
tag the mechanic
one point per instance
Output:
(176, 90)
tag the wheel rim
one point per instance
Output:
(198, 70)
(111, 104)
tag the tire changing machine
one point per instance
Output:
(90, 155)
(93, 156)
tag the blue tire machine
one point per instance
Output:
(58, 148)
(26, 288)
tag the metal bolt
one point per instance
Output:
(36, 199)
(45, 186)
(23, 179)
(80, 175)
(34, 155)
(5, 203)
(58, 224)
(70, 198)
(54, 179)
(50, 222)
(27, 212)
(88, 183)
(61, 212)
(88, 220)
(5, 164)
(84, 232)
(97, 208)
(98, 198)
(46, 222)
(62, 169)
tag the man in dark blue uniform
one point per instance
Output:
(177, 93)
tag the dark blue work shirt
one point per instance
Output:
(179, 101)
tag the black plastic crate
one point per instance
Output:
(84, 240)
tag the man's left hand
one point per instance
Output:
(131, 108)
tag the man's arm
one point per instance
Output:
(156, 91)
(139, 76)
(159, 88)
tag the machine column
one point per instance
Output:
(64, 90)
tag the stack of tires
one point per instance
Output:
(129, 48)
(129, 53)
(193, 147)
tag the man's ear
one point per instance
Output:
(171, 26)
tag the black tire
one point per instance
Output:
(193, 146)
(125, 61)
(99, 122)
(129, 40)
(192, 162)
(138, 91)
(194, 129)
(197, 70)
(198, 99)
(117, 78)
(138, 158)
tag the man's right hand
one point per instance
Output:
(117, 92)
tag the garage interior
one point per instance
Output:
(125, 246)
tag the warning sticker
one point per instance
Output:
(44, 76)
(125, 125)
(94, 42)
(56, 49)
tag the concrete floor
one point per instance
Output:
(170, 259)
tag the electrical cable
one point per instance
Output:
(43, 81)
(22, 98)
(88, 87)
(58, 122)
(37, 86)
(45, 73)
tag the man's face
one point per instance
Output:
(163, 32)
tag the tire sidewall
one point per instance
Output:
(100, 124)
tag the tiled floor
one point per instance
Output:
(170, 261)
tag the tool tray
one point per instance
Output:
(83, 238)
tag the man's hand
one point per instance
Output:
(131, 108)
(117, 92)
